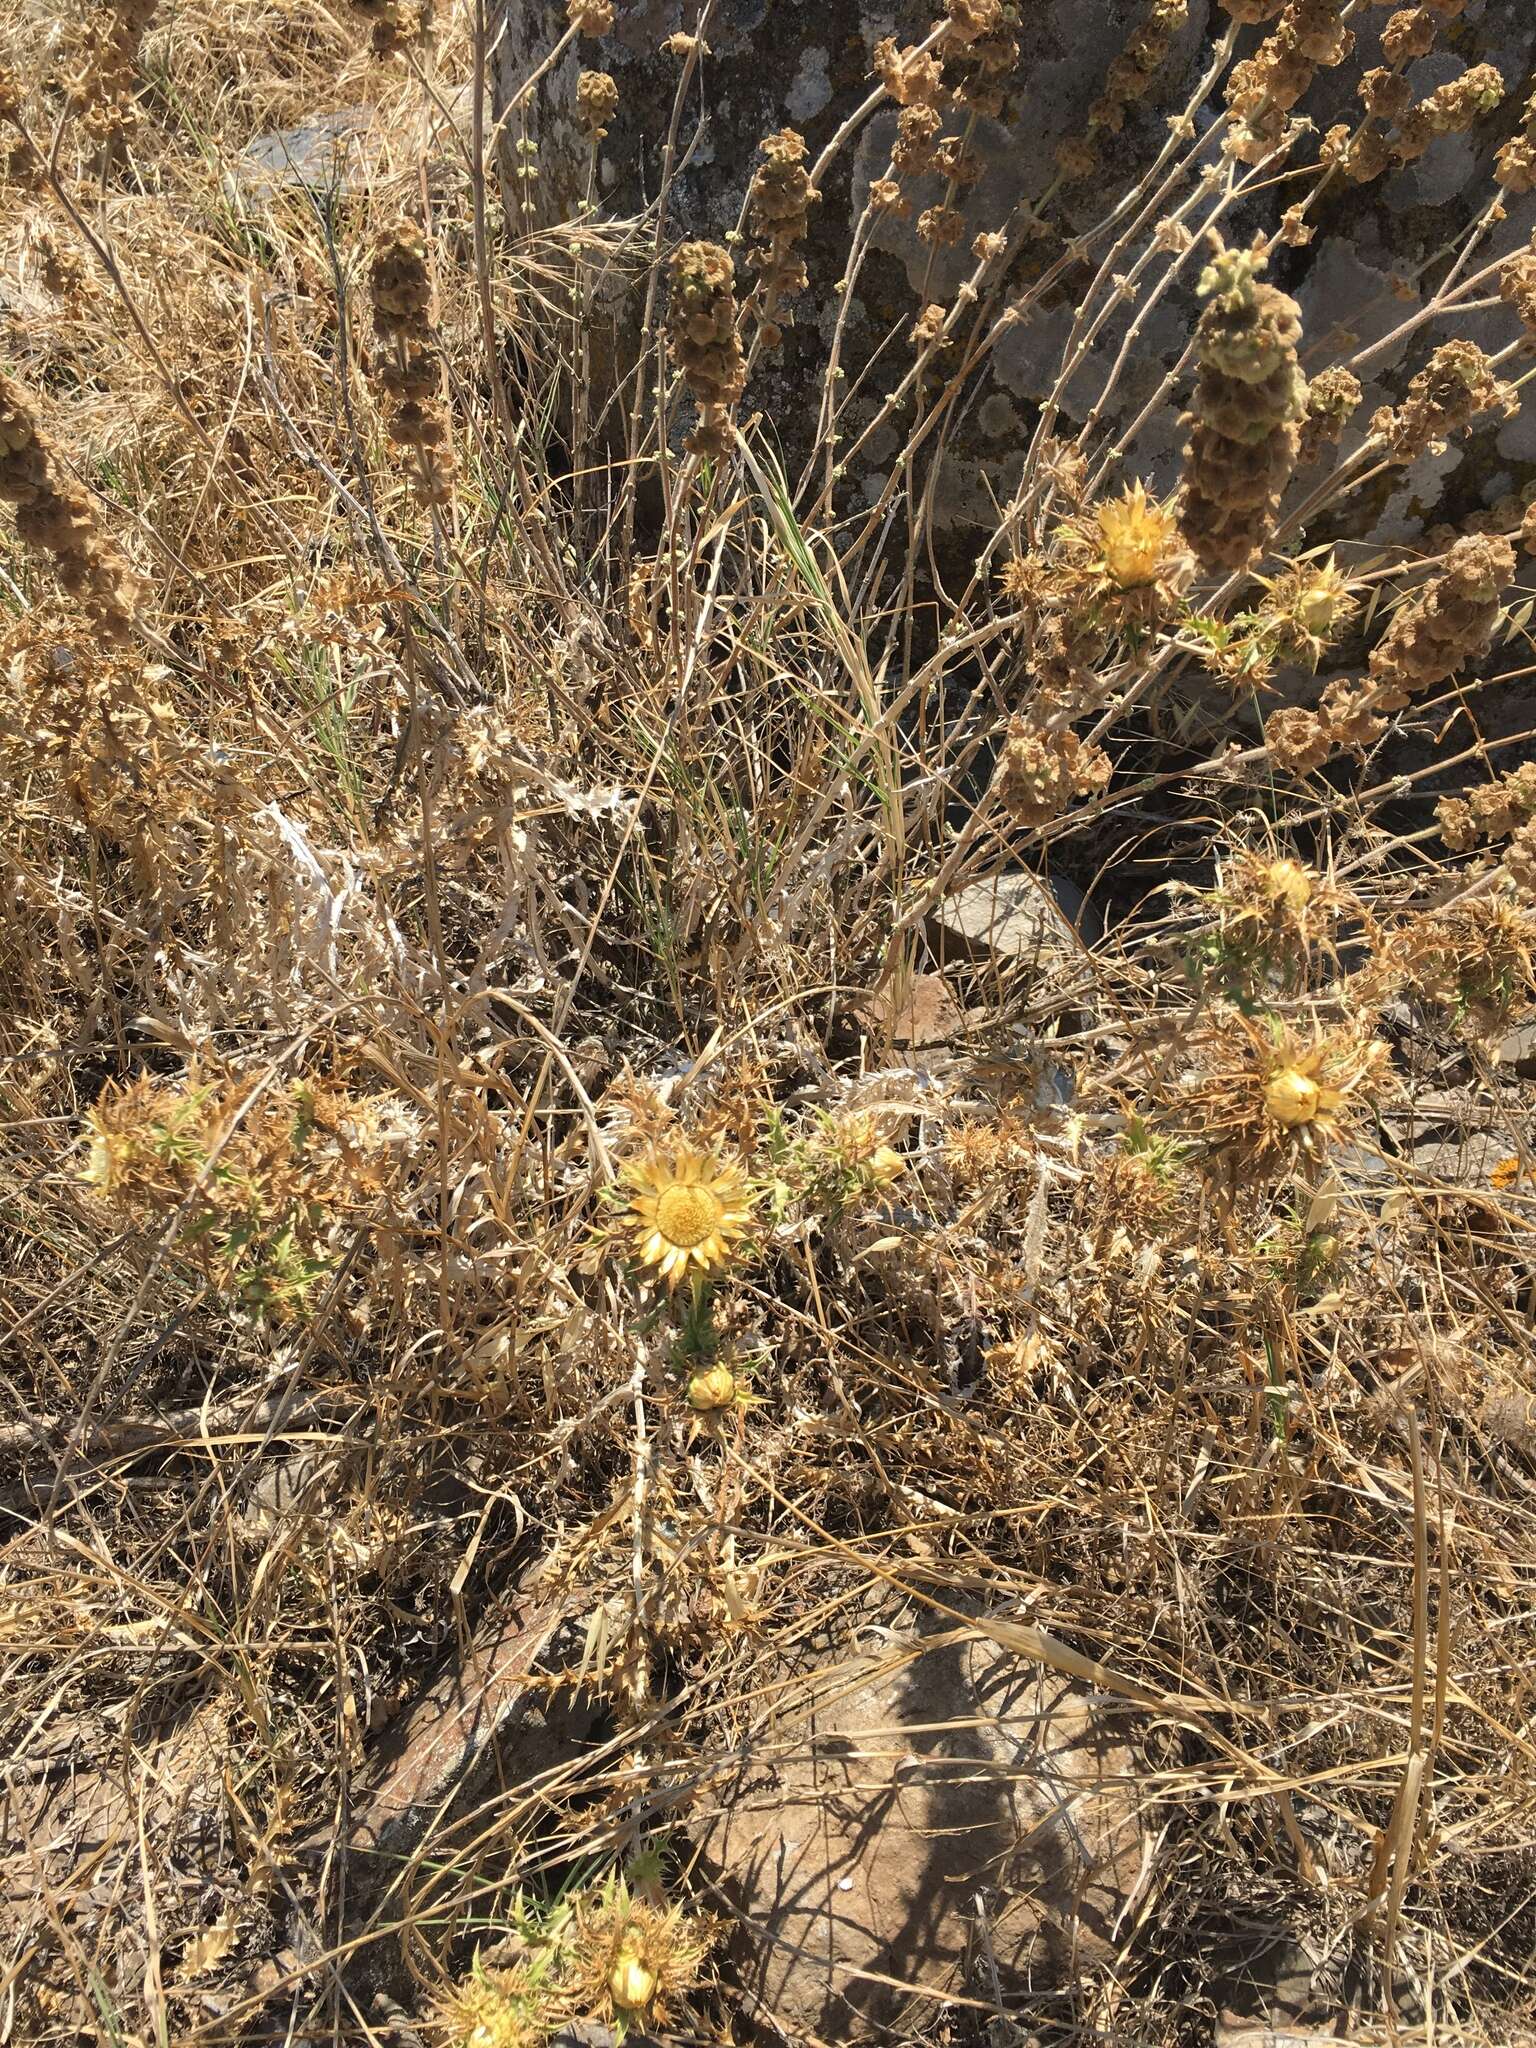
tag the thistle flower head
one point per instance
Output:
(1134, 537)
(688, 1210)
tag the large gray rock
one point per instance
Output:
(924, 1818)
(774, 64)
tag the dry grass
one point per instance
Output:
(459, 821)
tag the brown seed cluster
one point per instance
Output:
(1242, 421)
(1128, 79)
(597, 101)
(781, 198)
(21, 164)
(1495, 811)
(1453, 388)
(59, 269)
(1039, 772)
(590, 17)
(981, 49)
(1449, 623)
(701, 331)
(396, 25)
(1449, 110)
(1394, 129)
(1411, 31)
(411, 376)
(1310, 36)
(1333, 396)
(912, 76)
(54, 514)
(103, 94)
(1515, 165)
(1517, 287)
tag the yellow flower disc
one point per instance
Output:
(1292, 1098)
(687, 1213)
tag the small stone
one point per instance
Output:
(1517, 1049)
(490, 1712)
(856, 1844)
(920, 1012)
(1014, 917)
(322, 154)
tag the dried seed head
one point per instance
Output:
(1332, 398)
(943, 226)
(104, 93)
(781, 196)
(1448, 624)
(917, 130)
(701, 332)
(590, 17)
(1409, 33)
(928, 327)
(1309, 36)
(54, 514)
(1039, 772)
(399, 283)
(1497, 810)
(981, 48)
(1454, 387)
(912, 77)
(396, 25)
(597, 101)
(1248, 397)
(1515, 165)
(400, 286)
(1299, 742)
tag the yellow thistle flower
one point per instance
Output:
(712, 1387)
(1293, 1098)
(1288, 882)
(1308, 607)
(631, 1982)
(688, 1210)
(1133, 538)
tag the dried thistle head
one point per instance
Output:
(1306, 609)
(1269, 1100)
(634, 1958)
(1264, 918)
(1476, 959)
